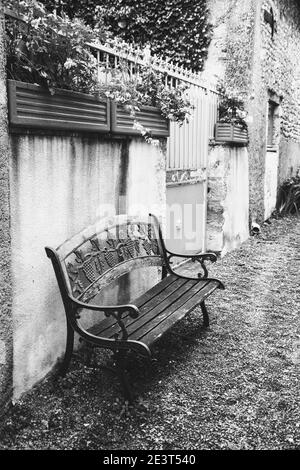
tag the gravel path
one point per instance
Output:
(232, 386)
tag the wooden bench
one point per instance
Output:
(89, 262)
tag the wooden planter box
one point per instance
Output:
(32, 106)
(149, 116)
(231, 133)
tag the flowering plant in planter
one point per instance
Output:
(147, 88)
(51, 50)
(231, 126)
(231, 108)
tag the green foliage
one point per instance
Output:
(50, 50)
(177, 29)
(147, 88)
(231, 107)
(288, 200)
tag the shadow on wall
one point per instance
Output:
(59, 185)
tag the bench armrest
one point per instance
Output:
(132, 310)
(115, 311)
(201, 258)
(197, 257)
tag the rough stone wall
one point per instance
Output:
(258, 66)
(281, 75)
(215, 64)
(5, 257)
(230, 54)
(275, 76)
(281, 62)
(228, 198)
(242, 71)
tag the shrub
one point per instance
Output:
(288, 200)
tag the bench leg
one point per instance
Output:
(120, 365)
(88, 354)
(164, 272)
(205, 314)
(69, 350)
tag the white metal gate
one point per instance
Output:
(188, 144)
(188, 153)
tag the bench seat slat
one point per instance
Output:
(155, 306)
(176, 312)
(168, 283)
(160, 308)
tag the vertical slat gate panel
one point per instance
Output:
(188, 144)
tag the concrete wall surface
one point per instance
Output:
(228, 198)
(59, 185)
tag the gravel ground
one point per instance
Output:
(234, 385)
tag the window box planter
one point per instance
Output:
(149, 116)
(231, 133)
(32, 106)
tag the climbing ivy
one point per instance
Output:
(178, 29)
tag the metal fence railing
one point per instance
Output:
(188, 144)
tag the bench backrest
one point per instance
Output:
(105, 251)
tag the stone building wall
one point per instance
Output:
(260, 67)
(281, 75)
(275, 77)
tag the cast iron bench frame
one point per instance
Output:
(92, 259)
